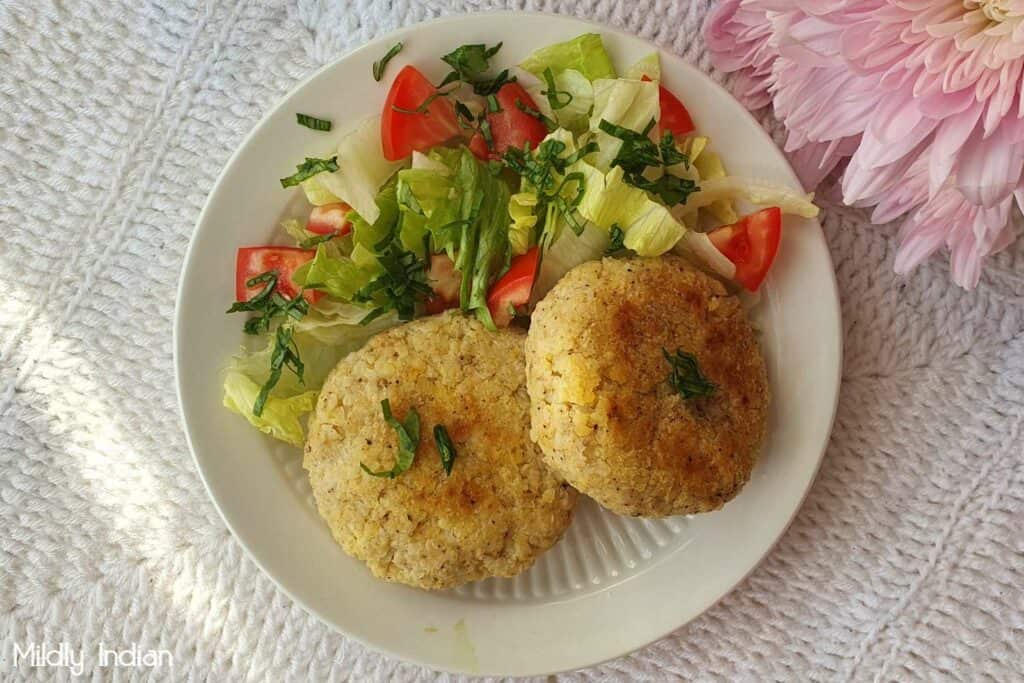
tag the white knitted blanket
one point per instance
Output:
(906, 561)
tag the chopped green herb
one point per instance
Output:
(464, 115)
(492, 104)
(445, 448)
(268, 303)
(493, 85)
(380, 65)
(408, 433)
(557, 99)
(617, 237)
(685, 376)
(317, 239)
(422, 109)
(485, 131)
(309, 168)
(399, 288)
(313, 122)
(542, 168)
(638, 152)
(530, 111)
(469, 62)
(284, 355)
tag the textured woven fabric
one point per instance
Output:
(906, 562)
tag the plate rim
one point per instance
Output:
(188, 262)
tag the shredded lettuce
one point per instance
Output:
(649, 66)
(323, 336)
(624, 102)
(281, 417)
(294, 229)
(337, 324)
(422, 162)
(362, 169)
(428, 200)
(650, 229)
(521, 209)
(316, 193)
(754, 191)
(366, 235)
(576, 90)
(565, 253)
(464, 208)
(584, 53)
(341, 277)
(484, 248)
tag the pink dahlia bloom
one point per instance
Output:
(918, 102)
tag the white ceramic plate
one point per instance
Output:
(612, 584)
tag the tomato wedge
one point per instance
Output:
(674, 116)
(323, 220)
(751, 244)
(445, 281)
(253, 261)
(513, 289)
(511, 126)
(402, 132)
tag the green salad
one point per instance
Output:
(478, 193)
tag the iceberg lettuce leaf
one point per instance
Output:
(584, 53)
(629, 103)
(362, 170)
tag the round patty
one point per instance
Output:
(602, 407)
(498, 510)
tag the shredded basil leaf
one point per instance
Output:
(686, 377)
(445, 448)
(382, 63)
(284, 355)
(309, 168)
(269, 304)
(542, 168)
(422, 109)
(548, 122)
(553, 94)
(493, 85)
(313, 122)
(464, 115)
(638, 151)
(408, 433)
(485, 131)
(617, 237)
(400, 287)
(317, 239)
(470, 64)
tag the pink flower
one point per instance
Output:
(918, 102)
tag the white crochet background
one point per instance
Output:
(906, 562)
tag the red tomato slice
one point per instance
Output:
(510, 127)
(400, 132)
(478, 146)
(513, 289)
(751, 244)
(253, 261)
(323, 220)
(674, 116)
(445, 281)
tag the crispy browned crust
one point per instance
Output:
(499, 509)
(602, 409)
